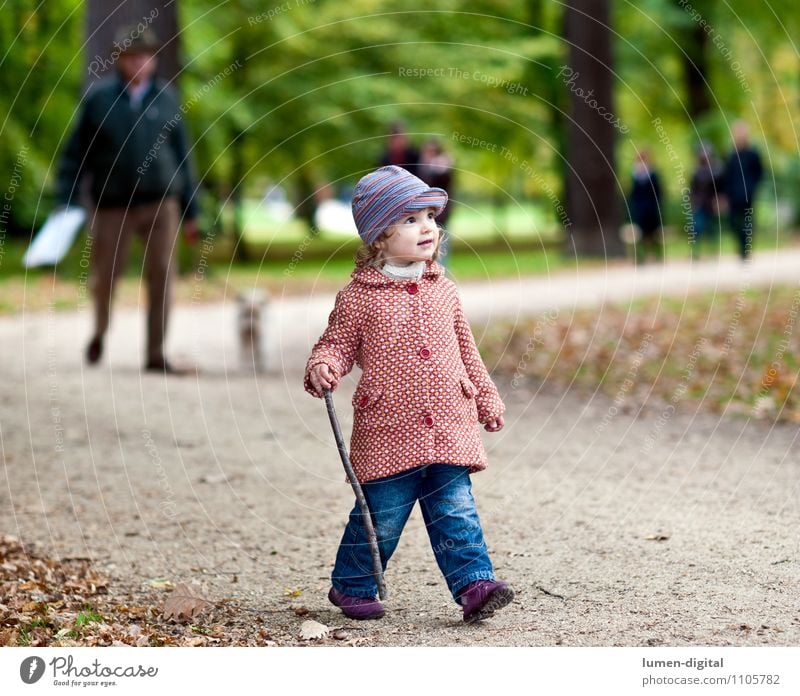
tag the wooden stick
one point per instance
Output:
(366, 517)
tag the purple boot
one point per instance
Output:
(483, 598)
(359, 608)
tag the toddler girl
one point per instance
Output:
(423, 390)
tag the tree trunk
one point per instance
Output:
(593, 195)
(695, 67)
(104, 19)
(542, 72)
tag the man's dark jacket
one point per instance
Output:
(133, 156)
(743, 172)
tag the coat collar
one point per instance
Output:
(371, 276)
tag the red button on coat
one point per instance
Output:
(363, 401)
(412, 288)
(428, 421)
(424, 353)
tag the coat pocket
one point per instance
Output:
(366, 397)
(468, 388)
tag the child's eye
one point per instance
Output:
(412, 220)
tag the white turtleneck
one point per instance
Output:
(412, 271)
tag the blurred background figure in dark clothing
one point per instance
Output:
(399, 151)
(706, 195)
(131, 141)
(645, 207)
(743, 173)
(436, 169)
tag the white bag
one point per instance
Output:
(53, 241)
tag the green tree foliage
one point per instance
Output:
(322, 81)
(312, 87)
(40, 75)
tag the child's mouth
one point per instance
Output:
(426, 242)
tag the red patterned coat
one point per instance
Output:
(424, 388)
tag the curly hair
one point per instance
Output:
(373, 255)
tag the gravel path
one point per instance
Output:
(642, 531)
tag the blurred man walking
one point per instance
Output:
(131, 142)
(743, 173)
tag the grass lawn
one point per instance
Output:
(293, 262)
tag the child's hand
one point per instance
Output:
(322, 378)
(495, 424)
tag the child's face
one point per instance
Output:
(412, 238)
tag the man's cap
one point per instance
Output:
(384, 196)
(136, 38)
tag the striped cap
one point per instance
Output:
(385, 195)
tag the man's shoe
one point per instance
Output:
(482, 598)
(94, 351)
(167, 368)
(359, 608)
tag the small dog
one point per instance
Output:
(251, 307)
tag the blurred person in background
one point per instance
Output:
(130, 141)
(743, 173)
(644, 203)
(436, 170)
(399, 150)
(706, 196)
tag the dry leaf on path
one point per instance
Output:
(657, 537)
(185, 602)
(313, 630)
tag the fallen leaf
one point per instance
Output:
(185, 602)
(313, 630)
(213, 478)
(292, 592)
(161, 584)
(657, 537)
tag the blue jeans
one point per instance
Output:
(444, 492)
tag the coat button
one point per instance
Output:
(424, 353)
(412, 288)
(428, 421)
(363, 401)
